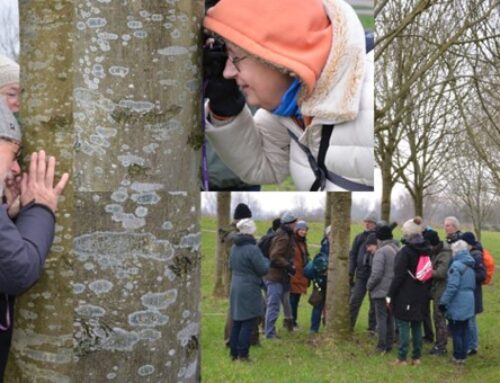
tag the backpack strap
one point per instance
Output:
(319, 169)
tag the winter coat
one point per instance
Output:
(248, 266)
(480, 273)
(359, 260)
(325, 246)
(24, 245)
(440, 258)
(382, 271)
(299, 282)
(409, 297)
(459, 294)
(259, 148)
(281, 253)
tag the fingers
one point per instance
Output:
(41, 167)
(24, 183)
(49, 177)
(33, 168)
(61, 184)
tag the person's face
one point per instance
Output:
(371, 248)
(11, 93)
(369, 225)
(449, 227)
(9, 167)
(261, 84)
(302, 233)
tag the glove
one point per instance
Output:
(351, 280)
(290, 270)
(226, 100)
(442, 308)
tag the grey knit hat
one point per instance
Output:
(301, 225)
(372, 217)
(246, 226)
(9, 71)
(288, 217)
(9, 128)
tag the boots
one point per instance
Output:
(288, 324)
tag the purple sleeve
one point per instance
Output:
(24, 245)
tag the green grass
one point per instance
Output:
(299, 358)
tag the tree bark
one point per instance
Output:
(337, 296)
(116, 101)
(328, 211)
(222, 279)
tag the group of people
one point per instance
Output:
(279, 268)
(28, 202)
(273, 267)
(400, 297)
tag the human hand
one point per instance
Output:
(12, 195)
(37, 185)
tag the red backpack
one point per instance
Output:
(489, 265)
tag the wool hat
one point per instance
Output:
(469, 238)
(9, 71)
(242, 211)
(371, 239)
(431, 236)
(246, 226)
(371, 217)
(384, 232)
(301, 225)
(292, 34)
(9, 127)
(287, 218)
(276, 224)
(412, 227)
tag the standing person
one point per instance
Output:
(308, 70)
(408, 296)
(277, 280)
(457, 300)
(27, 222)
(379, 282)
(299, 283)
(359, 272)
(10, 90)
(476, 252)
(248, 266)
(440, 258)
(227, 234)
(452, 229)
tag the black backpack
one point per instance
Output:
(264, 243)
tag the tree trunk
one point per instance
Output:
(222, 265)
(419, 202)
(387, 186)
(116, 101)
(328, 212)
(337, 296)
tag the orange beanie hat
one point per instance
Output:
(294, 34)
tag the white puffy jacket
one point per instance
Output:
(259, 149)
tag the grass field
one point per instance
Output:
(299, 358)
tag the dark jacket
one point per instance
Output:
(359, 260)
(440, 257)
(459, 294)
(281, 254)
(409, 296)
(248, 265)
(24, 246)
(480, 274)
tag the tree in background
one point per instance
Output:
(112, 90)
(222, 276)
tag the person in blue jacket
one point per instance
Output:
(27, 206)
(458, 298)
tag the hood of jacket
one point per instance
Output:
(464, 257)
(418, 245)
(337, 93)
(243, 239)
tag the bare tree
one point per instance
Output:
(115, 99)
(222, 276)
(9, 31)
(337, 294)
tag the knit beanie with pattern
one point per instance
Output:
(9, 71)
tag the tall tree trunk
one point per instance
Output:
(387, 185)
(418, 202)
(328, 212)
(337, 295)
(222, 266)
(116, 100)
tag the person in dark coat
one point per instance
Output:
(248, 266)
(408, 296)
(299, 283)
(277, 280)
(476, 252)
(27, 222)
(359, 272)
(458, 298)
(440, 258)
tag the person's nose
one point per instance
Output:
(230, 72)
(15, 168)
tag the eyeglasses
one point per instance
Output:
(235, 60)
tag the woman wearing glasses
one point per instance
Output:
(305, 65)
